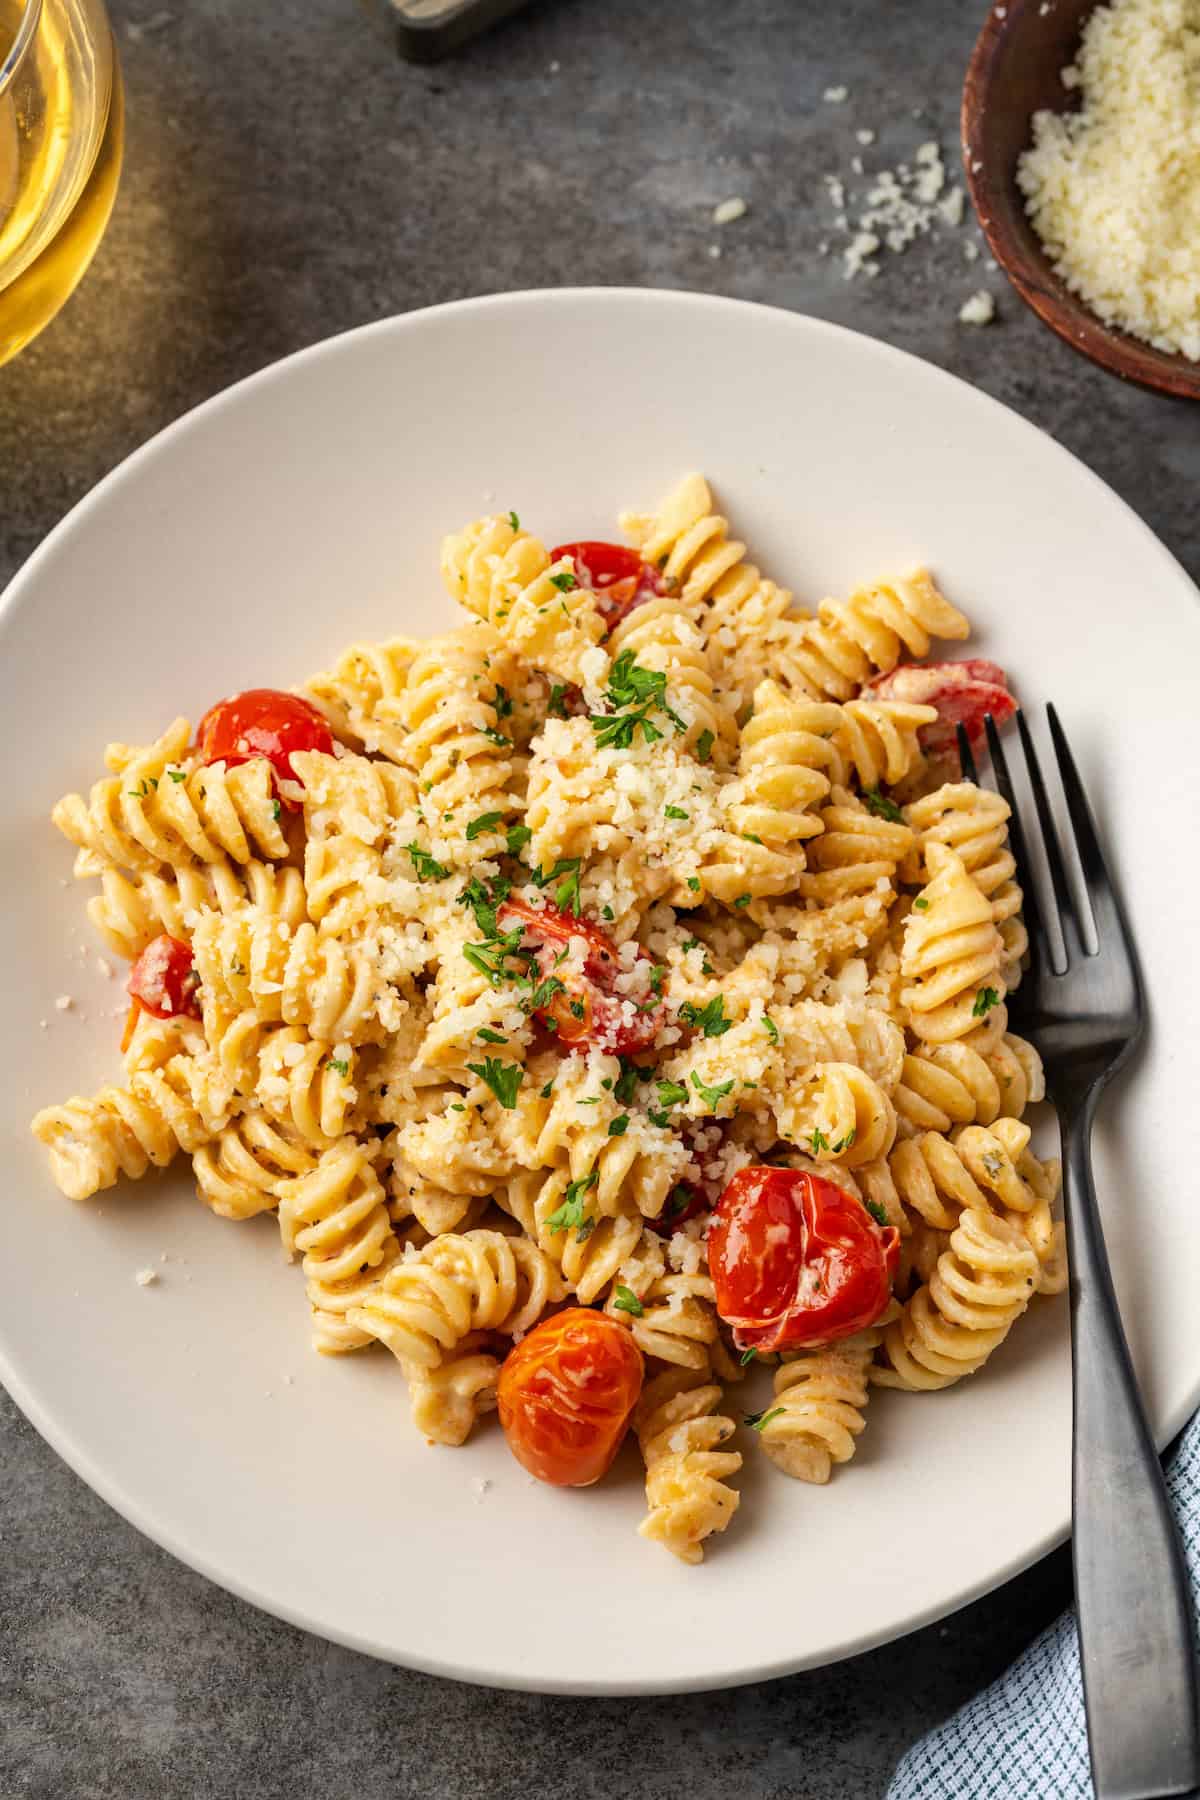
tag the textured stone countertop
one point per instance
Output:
(287, 177)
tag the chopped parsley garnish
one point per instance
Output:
(548, 1090)
(543, 993)
(681, 1197)
(709, 1019)
(711, 1095)
(485, 902)
(503, 1078)
(177, 774)
(488, 1036)
(570, 1214)
(626, 1085)
(882, 807)
(492, 958)
(484, 822)
(674, 812)
(877, 1211)
(495, 737)
(517, 836)
(275, 809)
(564, 581)
(514, 522)
(606, 912)
(671, 1093)
(748, 1356)
(618, 1127)
(633, 693)
(818, 1141)
(771, 1028)
(693, 882)
(566, 873)
(340, 1064)
(704, 744)
(502, 702)
(759, 1420)
(625, 1300)
(742, 900)
(425, 866)
(554, 706)
(656, 978)
(985, 999)
(921, 904)
(845, 1143)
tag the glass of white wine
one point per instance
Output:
(61, 135)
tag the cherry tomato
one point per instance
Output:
(566, 1393)
(795, 1260)
(616, 575)
(584, 1010)
(164, 981)
(262, 722)
(964, 693)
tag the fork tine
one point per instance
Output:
(1069, 924)
(1106, 906)
(965, 757)
(1039, 942)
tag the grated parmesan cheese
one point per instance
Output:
(146, 1277)
(729, 211)
(1113, 190)
(980, 309)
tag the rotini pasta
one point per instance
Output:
(579, 985)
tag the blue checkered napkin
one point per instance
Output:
(1023, 1738)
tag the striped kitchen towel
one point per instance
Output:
(1023, 1738)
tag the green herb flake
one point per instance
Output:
(882, 807)
(704, 746)
(425, 866)
(742, 900)
(495, 737)
(339, 1064)
(818, 1141)
(547, 1090)
(554, 706)
(517, 836)
(671, 1093)
(985, 999)
(564, 581)
(514, 522)
(626, 1085)
(488, 1036)
(693, 882)
(681, 1197)
(484, 822)
(177, 774)
(748, 1356)
(570, 1216)
(709, 1019)
(485, 902)
(503, 1078)
(877, 1211)
(625, 1300)
(606, 912)
(760, 1420)
(711, 1096)
(618, 1127)
(921, 904)
(771, 1028)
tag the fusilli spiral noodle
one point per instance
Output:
(123, 1131)
(349, 806)
(956, 1084)
(829, 657)
(476, 1281)
(588, 1256)
(817, 1412)
(783, 754)
(247, 959)
(973, 822)
(661, 635)
(238, 1172)
(360, 695)
(876, 741)
(982, 1284)
(505, 577)
(677, 1323)
(680, 1429)
(952, 953)
(336, 1217)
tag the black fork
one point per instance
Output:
(1136, 1637)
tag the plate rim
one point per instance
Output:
(79, 1459)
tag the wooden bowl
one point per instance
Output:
(1013, 73)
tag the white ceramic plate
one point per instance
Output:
(303, 509)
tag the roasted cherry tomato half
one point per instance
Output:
(616, 575)
(164, 981)
(566, 1393)
(583, 1008)
(795, 1260)
(262, 722)
(964, 693)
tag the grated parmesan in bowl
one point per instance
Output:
(1113, 190)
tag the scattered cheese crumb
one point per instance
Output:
(971, 252)
(64, 1003)
(714, 250)
(481, 1484)
(865, 136)
(980, 309)
(950, 209)
(146, 1277)
(835, 95)
(105, 968)
(728, 211)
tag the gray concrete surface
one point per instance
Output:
(287, 177)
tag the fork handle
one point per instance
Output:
(1136, 1638)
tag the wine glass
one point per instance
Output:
(61, 136)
